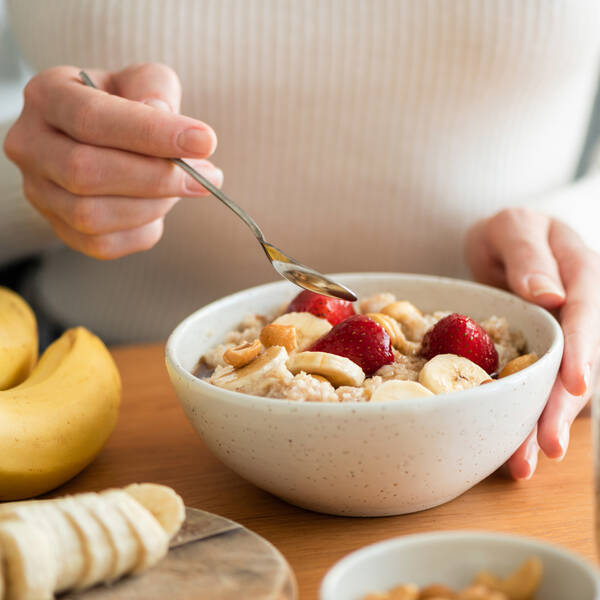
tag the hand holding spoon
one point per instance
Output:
(285, 265)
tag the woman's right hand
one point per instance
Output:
(93, 161)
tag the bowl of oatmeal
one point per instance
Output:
(368, 416)
(461, 565)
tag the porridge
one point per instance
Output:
(321, 349)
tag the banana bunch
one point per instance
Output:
(54, 416)
(18, 339)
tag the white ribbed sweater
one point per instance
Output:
(361, 135)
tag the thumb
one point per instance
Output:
(154, 84)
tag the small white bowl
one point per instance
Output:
(365, 459)
(452, 559)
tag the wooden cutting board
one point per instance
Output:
(211, 558)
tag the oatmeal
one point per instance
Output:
(320, 349)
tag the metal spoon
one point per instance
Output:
(285, 265)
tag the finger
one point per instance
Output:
(111, 245)
(92, 171)
(93, 116)
(96, 215)
(580, 318)
(520, 239)
(523, 463)
(154, 84)
(556, 420)
(484, 265)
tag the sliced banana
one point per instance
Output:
(254, 376)
(450, 373)
(97, 549)
(396, 389)
(29, 564)
(397, 337)
(71, 563)
(409, 316)
(153, 542)
(124, 543)
(374, 304)
(338, 370)
(308, 327)
(36, 513)
(518, 364)
(163, 503)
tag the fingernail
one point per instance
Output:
(156, 103)
(195, 141)
(213, 173)
(538, 285)
(563, 441)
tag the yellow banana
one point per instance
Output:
(54, 423)
(18, 339)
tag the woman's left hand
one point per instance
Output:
(546, 262)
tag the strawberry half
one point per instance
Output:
(332, 309)
(459, 334)
(361, 340)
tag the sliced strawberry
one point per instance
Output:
(459, 334)
(332, 309)
(361, 340)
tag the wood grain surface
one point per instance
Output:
(211, 558)
(154, 441)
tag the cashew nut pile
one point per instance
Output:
(522, 584)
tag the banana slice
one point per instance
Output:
(397, 337)
(153, 542)
(409, 316)
(97, 550)
(124, 544)
(337, 369)
(30, 568)
(374, 304)
(399, 390)
(36, 513)
(308, 327)
(450, 373)
(71, 559)
(163, 503)
(255, 376)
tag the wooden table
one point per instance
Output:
(154, 441)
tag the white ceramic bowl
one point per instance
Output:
(358, 458)
(452, 558)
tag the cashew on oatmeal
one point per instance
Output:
(320, 349)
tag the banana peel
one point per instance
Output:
(18, 339)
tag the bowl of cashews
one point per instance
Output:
(461, 565)
(366, 458)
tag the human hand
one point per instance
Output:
(547, 263)
(93, 160)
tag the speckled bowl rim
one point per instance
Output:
(415, 405)
(352, 560)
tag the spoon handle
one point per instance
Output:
(214, 190)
